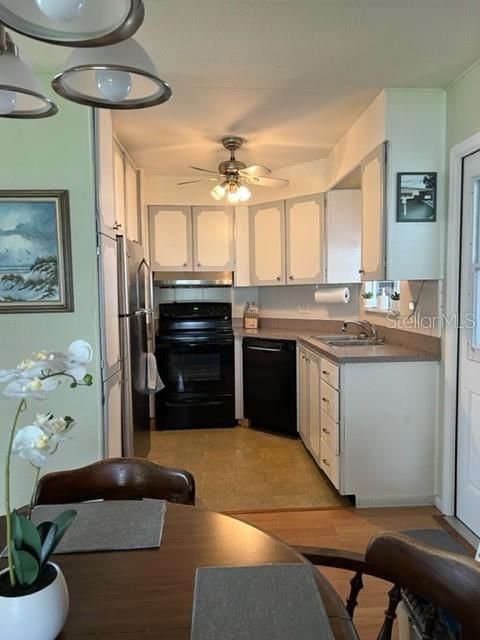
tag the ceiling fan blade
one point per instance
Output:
(264, 181)
(256, 170)
(179, 184)
(205, 170)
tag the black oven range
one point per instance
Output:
(195, 358)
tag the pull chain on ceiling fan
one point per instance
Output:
(234, 176)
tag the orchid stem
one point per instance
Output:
(8, 516)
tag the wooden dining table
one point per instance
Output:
(148, 593)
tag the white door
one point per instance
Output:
(267, 243)
(343, 231)
(119, 182)
(468, 437)
(305, 240)
(213, 239)
(373, 216)
(105, 177)
(112, 417)
(314, 405)
(132, 202)
(108, 275)
(303, 384)
(171, 238)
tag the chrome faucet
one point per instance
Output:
(368, 329)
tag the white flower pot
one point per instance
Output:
(369, 303)
(38, 616)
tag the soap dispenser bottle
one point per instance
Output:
(383, 301)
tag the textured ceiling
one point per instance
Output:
(289, 75)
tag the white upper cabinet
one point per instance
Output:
(109, 294)
(305, 240)
(119, 182)
(267, 244)
(105, 178)
(132, 202)
(213, 238)
(373, 216)
(171, 238)
(343, 228)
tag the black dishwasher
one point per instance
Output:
(270, 384)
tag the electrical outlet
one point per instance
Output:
(412, 306)
(303, 308)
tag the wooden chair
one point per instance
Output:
(117, 479)
(448, 581)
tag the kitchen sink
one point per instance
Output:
(349, 341)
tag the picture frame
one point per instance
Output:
(417, 196)
(35, 252)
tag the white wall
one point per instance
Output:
(298, 302)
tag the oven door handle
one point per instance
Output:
(208, 403)
(271, 349)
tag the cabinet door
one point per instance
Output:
(108, 274)
(119, 181)
(314, 405)
(267, 243)
(171, 238)
(132, 202)
(343, 222)
(213, 238)
(373, 216)
(303, 384)
(112, 417)
(305, 240)
(105, 174)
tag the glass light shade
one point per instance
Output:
(74, 23)
(18, 84)
(244, 193)
(218, 192)
(233, 196)
(98, 78)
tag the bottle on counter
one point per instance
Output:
(250, 316)
(383, 301)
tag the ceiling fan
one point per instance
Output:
(234, 176)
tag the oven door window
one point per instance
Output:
(196, 368)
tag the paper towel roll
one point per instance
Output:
(339, 295)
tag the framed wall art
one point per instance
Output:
(35, 252)
(416, 197)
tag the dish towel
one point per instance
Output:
(154, 382)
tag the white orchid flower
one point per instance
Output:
(80, 352)
(57, 428)
(7, 375)
(35, 388)
(31, 443)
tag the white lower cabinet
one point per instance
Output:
(371, 427)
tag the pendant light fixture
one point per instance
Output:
(74, 23)
(120, 76)
(21, 94)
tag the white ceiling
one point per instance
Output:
(289, 75)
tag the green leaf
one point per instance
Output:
(16, 531)
(63, 521)
(30, 536)
(26, 567)
(88, 379)
(43, 530)
(49, 541)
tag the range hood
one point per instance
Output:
(169, 279)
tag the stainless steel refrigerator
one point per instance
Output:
(136, 342)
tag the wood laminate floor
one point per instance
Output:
(347, 528)
(245, 469)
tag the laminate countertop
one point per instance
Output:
(387, 352)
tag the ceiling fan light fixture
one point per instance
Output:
(120, 76)
(244, 193)
(74, 23)
(21, 94)
(218, 192)
(233, 195)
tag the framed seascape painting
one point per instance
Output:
(35, 252)
(416, 197)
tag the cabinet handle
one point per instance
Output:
(185, 264)
(325, 373)
(199, 264)
(325, 462)
(278, 278)
(117, 225)
(325, 430)
(325, 400)
(361, 271)
(290, 277)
